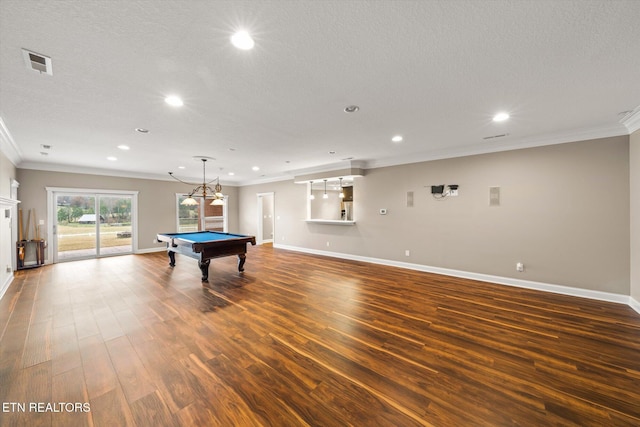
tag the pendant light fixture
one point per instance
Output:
(311, 196)
(325, 195)
(341, 195)
(203, 190)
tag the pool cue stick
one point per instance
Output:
(26, 237)
(38, 237)
(21, 245)
(20, 234)
(36, 234)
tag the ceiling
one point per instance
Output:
(434, 72)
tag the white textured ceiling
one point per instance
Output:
(432, 71)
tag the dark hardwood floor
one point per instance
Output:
(301, 340)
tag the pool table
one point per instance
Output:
(206, 245)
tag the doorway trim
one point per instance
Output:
(52, 219)
(260, 227)
(14, 222)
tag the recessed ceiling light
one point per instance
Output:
(142, 130)
(123, 147)
(231, 173)
(255, 168)
(45, 146)
(174, 101)
(351, 109)
(500, 117)
(112, 159)
(397, 138)
(332, 152)
(180, 167)
(242, 40)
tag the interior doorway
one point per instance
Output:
(266, 225)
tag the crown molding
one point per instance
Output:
(507, 144)
(632, 120)
(56, 167)
(628, 125)
(8, 146)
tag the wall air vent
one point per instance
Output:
(36, 62)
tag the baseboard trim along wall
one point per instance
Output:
(558, 289)
(150, 250)
(546, 287)
(6, 285)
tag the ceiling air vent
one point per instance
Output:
(37, 62)
(496, 136)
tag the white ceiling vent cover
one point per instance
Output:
(37, 62)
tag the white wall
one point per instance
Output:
(634, 174)
(564, 214)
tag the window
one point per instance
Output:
(214, 217)
(201, 217)
(188, 218)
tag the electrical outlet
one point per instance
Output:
(520, 267)
(407, 253)
(327, 244)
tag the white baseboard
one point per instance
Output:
(6, 285)
(546, 287)
(150, 250)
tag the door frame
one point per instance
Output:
(52, 214)
(14, 222)
(259, 238)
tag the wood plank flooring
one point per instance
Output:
(301, 340)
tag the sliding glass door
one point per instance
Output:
(75, 228)
(114, 227)
(89, 225)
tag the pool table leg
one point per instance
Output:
(172, 258)
(241, 259)
(204, 267)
